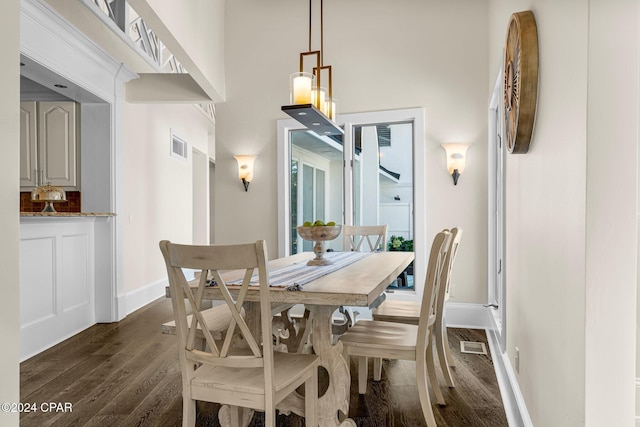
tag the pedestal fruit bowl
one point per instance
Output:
(319, 234)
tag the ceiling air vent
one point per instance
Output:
(179, 147)
(473, 347)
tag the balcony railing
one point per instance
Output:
(125, 18)
(144, 39)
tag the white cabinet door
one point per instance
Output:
(57, 139)
(57, 281)
(28, 145)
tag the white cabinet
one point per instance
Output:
(57, 281)
(48, 144)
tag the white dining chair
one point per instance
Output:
(242, 371)
(355, 236)
(359, 238)
(379, 339)
(409, 311)
(217, 319)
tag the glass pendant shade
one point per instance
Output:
(318, 96)
(301, 84)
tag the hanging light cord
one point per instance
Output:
(310, 25)
(321, 33)
(321, 29)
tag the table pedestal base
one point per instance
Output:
(333, 405)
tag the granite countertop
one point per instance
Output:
(65, 214)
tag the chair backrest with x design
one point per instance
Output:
(354, 237)
(212, 261)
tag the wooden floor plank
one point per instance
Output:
(127, 374)
(111, 382)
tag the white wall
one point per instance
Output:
(198, 28)
(612, 170)
(545, 218)
(9, 208)
(158, 187)
(570, 213)
(385, 55)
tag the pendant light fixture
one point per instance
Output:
(312, 103)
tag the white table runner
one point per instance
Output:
(293, 276)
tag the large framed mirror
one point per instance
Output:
(371, 175)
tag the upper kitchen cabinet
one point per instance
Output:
(49, 144)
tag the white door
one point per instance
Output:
(212, 198)
(57, 140)
(56, 282)
(28, 145)
(200, 188)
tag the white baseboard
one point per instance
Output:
(144, 295)
(24, 357)
(466, 315)
(512, 399)
(637, 402)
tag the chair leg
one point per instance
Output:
(242, 416)
(444, 352)
(270, 418)
(362, 374)
(377, 368)
(432, 374)
(188, 412)
(447, 348)
(311, 400)
(423, 392)
(236, 415)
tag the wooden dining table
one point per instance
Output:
(358, 284)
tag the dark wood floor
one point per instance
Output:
(126, 374)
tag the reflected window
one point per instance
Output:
(320, 182)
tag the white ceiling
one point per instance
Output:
(37, 83)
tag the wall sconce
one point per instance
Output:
(456, 157)
(245, 169)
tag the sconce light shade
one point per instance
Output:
(456, 158)
(245, 169)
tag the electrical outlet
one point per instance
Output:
(517, 360)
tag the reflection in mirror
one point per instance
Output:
(381, 179)
(316, 184)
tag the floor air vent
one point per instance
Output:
(473, 347)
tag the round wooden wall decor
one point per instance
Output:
(520, 81)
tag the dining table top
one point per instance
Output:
(357, 284)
